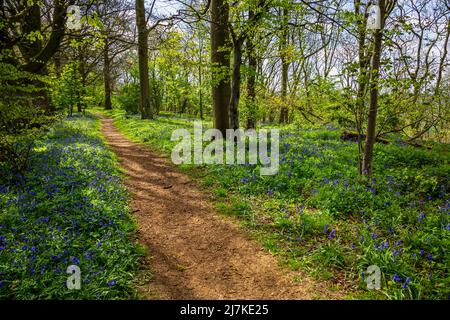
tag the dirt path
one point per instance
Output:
(195, 253)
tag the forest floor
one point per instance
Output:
(195, 253)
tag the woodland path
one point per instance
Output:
(195, 253)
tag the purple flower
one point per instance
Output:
(332, 234)
(325, 229)
(112, 283)
(405, 284)
(422, 216)
(391, 230)
(430, 257)
(397, 278)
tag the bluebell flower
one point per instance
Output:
(421, 217)
(391, 230)
(407, 281)
(397, 278)
(332, 234)
(325, 229)
(112, 283)
(430, 257)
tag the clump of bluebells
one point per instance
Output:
(69, 208)
(398, 220)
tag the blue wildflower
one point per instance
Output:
(112, 282)
(421, 216)
(391, 230)
(407, 281)
(397, 278)
(332, 234)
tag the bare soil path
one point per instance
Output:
(195, 252)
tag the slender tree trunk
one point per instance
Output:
(144, 83)
(374, 91)
(107, 76)
(251, 80)
(220, 60)
(200, 89)
(284, 67)
(236, 84)
(362, 80)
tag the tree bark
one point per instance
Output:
(39, 61)
(144, 83)
(236, 84)
(374, 91)
(284, 67)
(251, 80)
(220, 60)
(362, 80)
(107, 76)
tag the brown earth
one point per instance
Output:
(194, 252)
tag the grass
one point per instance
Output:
(317, 213)
(69, 208)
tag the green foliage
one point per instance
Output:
(68, 90)
(324, 217)
(128, 97)
(69, 208)
(22, 119)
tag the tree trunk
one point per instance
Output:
(144, 83)
(220, 60)
(251, 80)
(284, 67)
(362, 80)
(374, 91)
(236, 84)
(200, 89)
(107, 76)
